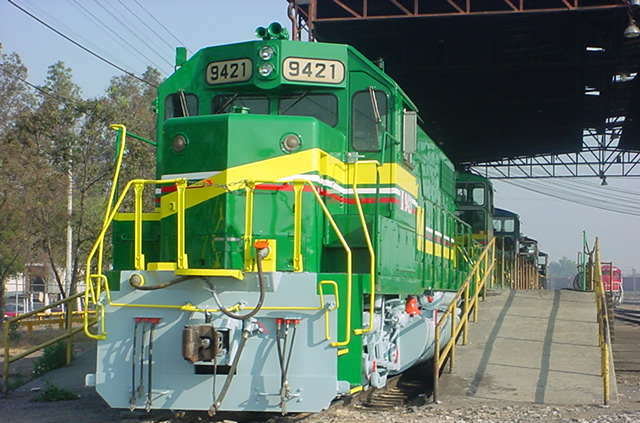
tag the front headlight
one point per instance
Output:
(265, 69)
(290, 143)
(179, 143)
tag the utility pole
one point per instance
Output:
(69, 261)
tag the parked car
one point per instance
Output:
(13, 309)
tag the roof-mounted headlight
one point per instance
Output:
(266, 53)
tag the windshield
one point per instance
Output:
(509, 225)
(256, 104)
(323, 107)
(470, 194)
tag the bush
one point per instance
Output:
(54, 357)
(53, 393)
(14, 333)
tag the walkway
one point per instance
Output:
(530, 346)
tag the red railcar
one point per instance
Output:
(612, 281)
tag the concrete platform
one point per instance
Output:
(530, 346)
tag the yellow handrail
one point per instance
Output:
(250, 187)
(68, 335)
(604, 339)
(480, 273)
(298, 265)
(327, 334)
(372, 254)
(92, 293)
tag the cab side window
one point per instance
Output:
(180, 104)
(366, 131)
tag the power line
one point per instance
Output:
(605, 188)
(160, 23)
(64, 27)
(107, 61)
(568, 199)
(135, 34)
(146, 25)
(591, 190)
(110, 30)
(592, 198)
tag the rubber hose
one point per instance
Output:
(258, 306)
(162, 285)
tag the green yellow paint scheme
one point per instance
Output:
(409, 207)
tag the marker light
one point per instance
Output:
(290, 143)
(179, 143)
(265, 69)
(266, 53)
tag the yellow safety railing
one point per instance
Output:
(468, 294)
(26, 319)
(298, 187)
(97, 282)
(604, 339)
(372, 254)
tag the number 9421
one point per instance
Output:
(313, 70)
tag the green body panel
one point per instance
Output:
(349, 364)
(122, 241)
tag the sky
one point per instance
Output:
(555, 223)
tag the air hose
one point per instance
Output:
(136, 282)
(259, 256)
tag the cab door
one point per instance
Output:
(370, 104)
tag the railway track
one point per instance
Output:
(400, 390)
(629, 311)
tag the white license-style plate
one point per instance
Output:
(313, 70)
(227, 71)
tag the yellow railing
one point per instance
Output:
(372, 254)
(481, 273)
(604, 339)
(27, 318)
(97, 282)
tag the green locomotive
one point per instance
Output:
(303, 239)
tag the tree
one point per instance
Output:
(55, 134)
(15, 235)
(563, 268)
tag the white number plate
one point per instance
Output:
(313, 70)
(229, 71)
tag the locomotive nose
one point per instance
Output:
(215, 143)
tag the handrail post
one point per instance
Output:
(484, 273)
(453, 340)
(248, 226)
(68, 315)
(7, 358)
(436, 362)
(475, 294)
(372, 255)
(465, 328)
(181, 259)
(298, 265)
(138, 188)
